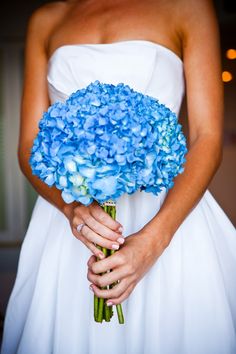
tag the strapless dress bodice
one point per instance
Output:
(145, 66)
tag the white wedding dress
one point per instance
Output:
(185, 304)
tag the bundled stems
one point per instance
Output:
(101, 310)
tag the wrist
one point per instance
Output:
(68, 209)
(158, 233)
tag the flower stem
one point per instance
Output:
(96, 299)
(101, 310)
(120, 314)
(107, 313)
(118, 307)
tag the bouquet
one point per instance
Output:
(106, 140)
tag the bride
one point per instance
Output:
(176, 253)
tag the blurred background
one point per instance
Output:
(16, 195)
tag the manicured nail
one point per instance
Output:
(120, 240)
(109, 303)
(101, 255)
(91, 287)
(115, 247)
(120, 229)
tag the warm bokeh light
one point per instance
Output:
(231, 53)
(227, 76)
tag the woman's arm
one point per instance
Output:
(204, 89)
(205, 112)
(35, 101)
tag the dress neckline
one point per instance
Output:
(125, 42)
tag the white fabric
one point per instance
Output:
(186, 303)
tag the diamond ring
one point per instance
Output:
(79, 227)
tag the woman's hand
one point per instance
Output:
(128, 266)
(98, 228)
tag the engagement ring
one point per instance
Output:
(79, 227)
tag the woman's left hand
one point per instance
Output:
(128, 265)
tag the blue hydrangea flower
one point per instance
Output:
(106, 140)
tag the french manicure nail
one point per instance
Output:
(120, 229)
(115, 247)
(101, 255)
(121, 240)
(109, 303)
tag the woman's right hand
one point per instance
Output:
(98, 228)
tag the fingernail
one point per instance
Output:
(120, 229)
(90, 287)
(109, 303)
(101, 255)
(121, 240)
(115, 247)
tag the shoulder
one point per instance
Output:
(48, 12)
(194, 8)
(196, 16)
(43, 20)
(197, 27)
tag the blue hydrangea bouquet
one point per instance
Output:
(106, 140)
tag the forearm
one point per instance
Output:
(203, 159)
(51, 194)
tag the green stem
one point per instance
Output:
(101, 310)
(106, 310)
(95, 306)
(96, 299)
(107, 313)
(120, 314)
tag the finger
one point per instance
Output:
(122, 297)
(90, 216)
(112, 262)
(106, 278)
(91, 260)
(103, 230)
(92, 236)
(114, 292)
(99, 254)
(102, 217)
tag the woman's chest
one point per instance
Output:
(110, 21)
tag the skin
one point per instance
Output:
(187, 27)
